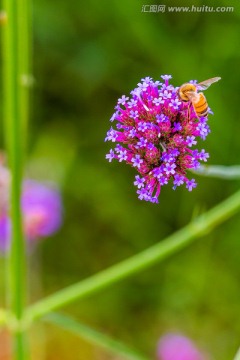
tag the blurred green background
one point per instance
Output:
(86, 55)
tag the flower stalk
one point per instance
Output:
(219, 171)
(15, 67)
(154, 254)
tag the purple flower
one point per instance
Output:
(175, 103)
(41, 210)
(147, 79)
(203, 129)
(139, 181)
(156, 135)
(177, 347)
(142, 142)
(142, 126)
(161, 118)
(137, 161)
(166, 95)
(110, 156)
(178, 180)
(132, 133)
(203, 155)
(190, 141)
(191, 184)
(123, 100)
(5, 232)
(111, 135)
(169, 168)
(143, 86)
(134, 114)
(177, 126)
(142, 194)
(114, 116)
(132, 103)
(163, 180)
(166, 77)
(158, 101)
(122, 155)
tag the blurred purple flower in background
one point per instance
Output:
(5, 230)
(41, 210)
(177, 347)
(41, 206)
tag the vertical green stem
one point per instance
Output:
(15, 86)
(26, 79)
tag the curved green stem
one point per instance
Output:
(139, 262)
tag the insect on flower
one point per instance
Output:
(188, 92)
(156, 130)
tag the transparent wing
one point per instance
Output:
(205, 84)
(193, 96)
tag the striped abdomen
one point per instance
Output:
(201, 105)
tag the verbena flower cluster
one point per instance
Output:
(155, 133)
(41, 210)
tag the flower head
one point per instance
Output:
(177, 347)
(155, 133)
(41, 210)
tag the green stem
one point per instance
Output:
(139, 262)
(15, 52)
(25, 63)
(14, 145)
(219, 171)
(94, 336)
